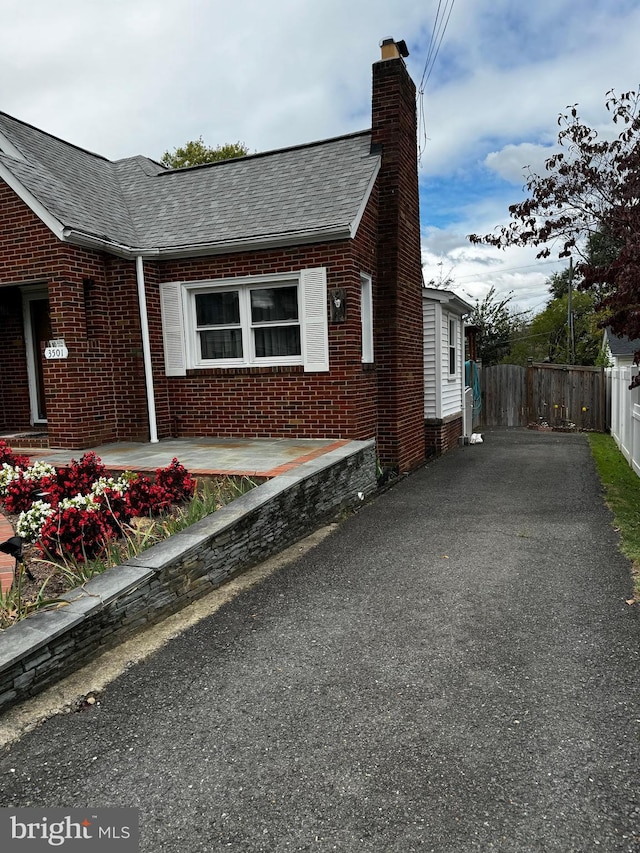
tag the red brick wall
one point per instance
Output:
(26, 247)
(98, 394)
(273, 401)
(94, 395)
(442, 437)
(399, 285)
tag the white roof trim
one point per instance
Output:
(363, 206)
(31, 201)
(447, 297)
(7, 147)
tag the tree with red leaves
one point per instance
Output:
(587, 206)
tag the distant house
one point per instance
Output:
(275, 295)
(444, 368)
(619, 351)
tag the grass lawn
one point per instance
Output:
(622, 494)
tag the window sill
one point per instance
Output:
(245, 371)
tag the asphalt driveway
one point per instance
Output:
(455, 668)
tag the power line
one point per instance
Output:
(437, 34)
(507, 269)
(439, 29)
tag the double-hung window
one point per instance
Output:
(217, 325)
(244, 322)
(453, 352)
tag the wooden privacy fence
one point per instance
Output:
(560, 395)
(504, 395)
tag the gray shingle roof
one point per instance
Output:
(77, 187)
(281, 195)
(622, 346)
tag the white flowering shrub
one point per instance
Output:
(39, 470)
(30, 521)
(87, 502)
(7, 474)
(110, 483)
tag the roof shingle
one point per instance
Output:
(296, 192)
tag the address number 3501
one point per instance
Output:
(56, 352)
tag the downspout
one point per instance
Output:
(146, 351)
(439, 357)
(465, 425)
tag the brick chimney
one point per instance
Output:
(398, 295)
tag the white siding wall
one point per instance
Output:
(431, 381)
(451, 384)
(442, 392)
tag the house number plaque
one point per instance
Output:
(56, 349)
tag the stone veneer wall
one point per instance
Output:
(111, 607)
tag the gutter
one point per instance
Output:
(198, 250)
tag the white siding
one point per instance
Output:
(451, 384)
(431, 380)
(443, 392)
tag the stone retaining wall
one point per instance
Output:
(111, 607)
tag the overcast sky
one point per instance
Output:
(125, 77)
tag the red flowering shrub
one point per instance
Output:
(140, 497)
(52, 489)
(5, 453)
(10, 458)
(115, 510)
(84, 519)
(74, 531)
(21, 493)
(78, 478)
(74, 479)
(176, 481)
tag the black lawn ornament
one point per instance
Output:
(13, 547)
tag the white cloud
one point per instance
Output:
(521, 102)
(123, 77)
(514, 162)
(475, 269)
(126, 77)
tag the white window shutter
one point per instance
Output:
(315, 336)
(175, 359)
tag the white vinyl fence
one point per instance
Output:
(625, 413)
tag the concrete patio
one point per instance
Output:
(258, 457)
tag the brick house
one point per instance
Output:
(276, 295)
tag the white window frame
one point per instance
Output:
(181, 339)
(453, 346)
(247, 326)
(366, 317)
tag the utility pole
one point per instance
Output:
(571, 338)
